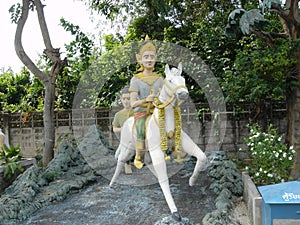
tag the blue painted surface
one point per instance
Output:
(280, 201)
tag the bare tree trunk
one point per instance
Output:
(49, 127)
(49, 80)
(293, 106)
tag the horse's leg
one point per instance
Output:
(118, 170)
(191, 148)
(160, 168)
(125, 154)
(148, 162)
(151, 168)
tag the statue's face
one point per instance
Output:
(148, 59)
(125, 99)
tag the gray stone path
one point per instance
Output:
(99, 204)
(73, 189)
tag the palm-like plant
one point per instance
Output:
(11, 157)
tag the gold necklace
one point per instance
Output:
(162, 128)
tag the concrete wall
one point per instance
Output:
(26, 130)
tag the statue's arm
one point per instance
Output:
(134, 102)
(117, 129)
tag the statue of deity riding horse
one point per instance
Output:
(164, 123)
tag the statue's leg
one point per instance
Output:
(149, 164)
(160, 168)
(127, 167)
(125, 154)
(191, 148)
(118, 170)
(140, 142)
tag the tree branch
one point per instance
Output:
(269, 37)
(289, 17)
(18, 43)
(43, 24)
(295, 11)
(52, 53)
(293, 18)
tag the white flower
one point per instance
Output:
(290, 158)
(284, 155)
(276, 154)
(270, 175)
(257, 174)
(260, 169)
(280, 138)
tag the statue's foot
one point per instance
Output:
(176, 216)
(113, 185)
(192, 181)
(138, 164)
(128, 169)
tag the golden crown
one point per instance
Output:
(147, 46)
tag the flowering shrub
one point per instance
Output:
(270, 158)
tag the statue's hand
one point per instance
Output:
(150, 98)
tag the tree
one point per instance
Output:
(48, 79)
(13, 88)
(241, 21)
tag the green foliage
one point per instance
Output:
(259, 72)
(109, 8)
(107, 75)
(80, 53)
(15, 12)
(13, 90)
(11, 156)
(196, 25)
(80, 48)
(271, 159)
(16, 9)
(34, 98)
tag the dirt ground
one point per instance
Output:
(239, 213)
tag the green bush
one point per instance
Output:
(270, 158)
(11, 157)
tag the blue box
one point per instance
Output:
(280, 201)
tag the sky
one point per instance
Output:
(73, 11)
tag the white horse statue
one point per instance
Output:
(172, 94)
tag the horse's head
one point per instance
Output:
(175, 83)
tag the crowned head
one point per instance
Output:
(147, 46)
(147, 54)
